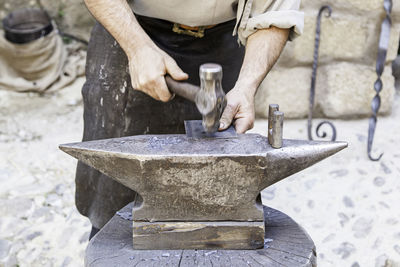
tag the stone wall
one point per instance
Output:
(346, 72)
(71, 16)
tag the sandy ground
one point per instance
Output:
(349, 205)
(39, 224)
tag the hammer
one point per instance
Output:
(209, 97)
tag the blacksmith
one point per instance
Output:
(136, 43)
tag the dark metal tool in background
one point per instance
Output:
(380, 66)
(313, 82)
(28, 24)
(209, 97)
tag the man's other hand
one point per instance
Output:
(148, 67)
(262, 50)
(239, 110)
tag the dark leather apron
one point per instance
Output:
(113, 109)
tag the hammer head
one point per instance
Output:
(210, 100)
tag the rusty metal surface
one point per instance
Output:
(186, 179)
(313, 82)
(380, 66)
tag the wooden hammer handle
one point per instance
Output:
(185, 90)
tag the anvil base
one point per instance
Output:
(198, 235)
(286, 244)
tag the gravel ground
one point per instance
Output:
(39, 224)
(349, 205)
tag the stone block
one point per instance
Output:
(356, 6)
(393, 44)
(396, 12)
(6, 6)
(349, 88)
(364, 5)
(71, 16)
(342, 38)
(10, 5)
(288, 87)
(343, 90)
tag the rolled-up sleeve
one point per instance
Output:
(253, 15)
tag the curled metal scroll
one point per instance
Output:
(380, 66)
(313, 80)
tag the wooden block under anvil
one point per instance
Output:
(190, 234)
(199, 193)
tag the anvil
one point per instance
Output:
(199, 193)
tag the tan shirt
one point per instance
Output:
(251, 15)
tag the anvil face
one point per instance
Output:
(184, 179)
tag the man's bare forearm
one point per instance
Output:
(148, 64)
(117, 17)
(262, 51)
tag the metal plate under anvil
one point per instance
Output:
(195, 129)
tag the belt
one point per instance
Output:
(197, 32)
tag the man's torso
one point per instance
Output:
(187, 12)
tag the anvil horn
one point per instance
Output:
(124, 168)
(294, 156)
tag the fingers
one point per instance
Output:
(174, 70)
(152, 81)
(243, 124)
(227, 117)
(162, 90)
(154, 87)
(240, 110)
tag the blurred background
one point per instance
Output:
(348, 204)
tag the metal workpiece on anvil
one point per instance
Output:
(199, 193)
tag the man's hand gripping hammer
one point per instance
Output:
(209, 97)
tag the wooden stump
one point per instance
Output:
(286, 244)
